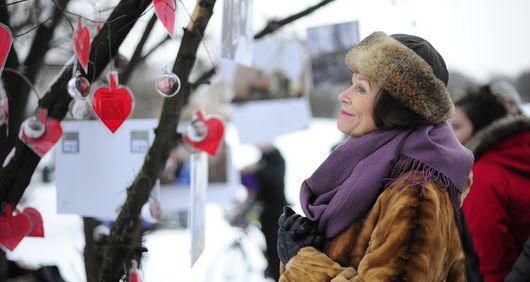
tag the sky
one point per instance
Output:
(481, 38)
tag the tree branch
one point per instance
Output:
(137, 55)
(116, 251)
(274, 25)
(15, 177)
(166, 39)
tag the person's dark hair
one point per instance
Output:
(482, 107)
(391, 113)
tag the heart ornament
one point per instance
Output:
(6, 40)
(14, 227)
(82, 44)
(205, 134)
(36, 225)
(165, 11)
(112, 105)
(41, 138)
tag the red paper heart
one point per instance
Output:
(35, 220)
(14, 228)
(52, 133)
(82, 44)
(165, 11)
(112, 105)
(6, 39)
(213, 138)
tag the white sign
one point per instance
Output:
(95, 167)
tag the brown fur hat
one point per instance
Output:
(409, 68)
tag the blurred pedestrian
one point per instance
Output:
(265, 183)
(497, 208)
(384, 206)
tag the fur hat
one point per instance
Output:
(409, 68)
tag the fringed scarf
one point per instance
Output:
(345, 186)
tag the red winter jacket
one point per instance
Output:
(497, 208)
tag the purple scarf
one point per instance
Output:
(345, 186)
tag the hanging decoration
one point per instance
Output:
(168, 84)
(165, 11)
(81, 40)
(15, 225)
(6, 40)
(134, 273)
(78, 88)
(205, 134)
(112, 105)
(40, 133)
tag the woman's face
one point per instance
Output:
(357, 105)
(462, 126)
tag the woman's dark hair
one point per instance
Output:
(482, 107)
(390, 113)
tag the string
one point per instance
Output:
(110, 50)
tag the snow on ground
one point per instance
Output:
(168, 257)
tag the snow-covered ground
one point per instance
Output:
(168, 258)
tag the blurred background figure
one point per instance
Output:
(508, 95)
(474, 111)
(497, 206)
(265, 185)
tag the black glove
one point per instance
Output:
(294, 233)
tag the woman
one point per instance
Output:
(497, 208)
(476, 110)
(383, 206)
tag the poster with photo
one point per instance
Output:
(272, 93)
(328, 46)
(237, 34)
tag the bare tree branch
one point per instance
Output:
(116, 251)
(166, 39)
(274, 25)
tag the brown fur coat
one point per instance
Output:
(404, 237)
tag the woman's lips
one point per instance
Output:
(343, 113)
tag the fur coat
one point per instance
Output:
(404, 237)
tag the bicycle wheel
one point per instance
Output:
(229, 265)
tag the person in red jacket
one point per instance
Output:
(497, 208)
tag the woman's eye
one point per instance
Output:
(361, 90)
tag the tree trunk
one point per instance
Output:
(117, 253)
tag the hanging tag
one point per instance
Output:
(81, 40)
(205, 134)
(165, 11)
(40, 133)
(112, 105)
(6, 40)
(199, 185)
